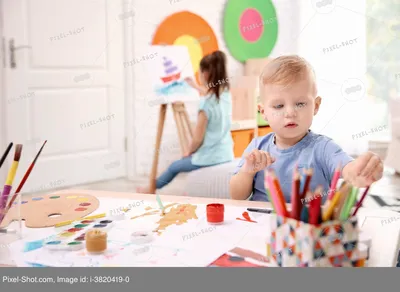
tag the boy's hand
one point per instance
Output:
(257, 160)
(365, 170)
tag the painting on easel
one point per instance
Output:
(167, 73)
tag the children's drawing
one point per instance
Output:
(167, 73)
(177, 216)
(171, 248)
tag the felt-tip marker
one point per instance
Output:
(266, 211)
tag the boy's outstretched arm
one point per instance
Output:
(364, 171)
(241, 184)
(360, 172)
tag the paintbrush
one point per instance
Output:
(3, 158)
(10, 179)
(160, 204)
(28, 172)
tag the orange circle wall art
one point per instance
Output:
(190, 30)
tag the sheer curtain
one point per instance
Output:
(333, 39)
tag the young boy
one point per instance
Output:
(289, 102)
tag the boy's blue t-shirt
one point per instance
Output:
(217, 146)
(314, 151)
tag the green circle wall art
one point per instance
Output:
(250, 28)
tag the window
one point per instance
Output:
(352, 46)
(383, 59)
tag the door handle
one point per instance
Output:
(13, 48)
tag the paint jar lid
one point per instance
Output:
(216, 207)
(141, 237)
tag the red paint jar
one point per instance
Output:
(215, 213)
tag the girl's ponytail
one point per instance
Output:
(215, 65)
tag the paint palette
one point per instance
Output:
(73, 238)
(51, 209)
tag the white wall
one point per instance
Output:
(342, 26)
(148, 14)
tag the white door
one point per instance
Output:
(64, 84)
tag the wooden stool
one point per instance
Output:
(185, 134)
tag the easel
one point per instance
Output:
(184, 130)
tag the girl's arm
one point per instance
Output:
(198, 134)
(201, 89)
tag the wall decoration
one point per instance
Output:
(250, 28)
(190, 30)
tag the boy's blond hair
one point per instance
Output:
(288, 69)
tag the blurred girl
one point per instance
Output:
(212, 141)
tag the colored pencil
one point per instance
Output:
(271, 192)
(295, 200)
(5, 154)
(304, 214)
(336, 176)
(302, 182)
(9, 181)
(315, 207)
(361, 201)
(279, 194)
(26, 175)
(331, 207)
(274, 194)
(267, 187)
(309, 174)
(344, 190)
(345, 213)
(270, 199)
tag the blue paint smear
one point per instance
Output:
(177, 87)
(36, 265)
(33, 245)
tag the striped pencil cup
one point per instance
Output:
(335, 243)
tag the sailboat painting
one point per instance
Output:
(167, 73)
(172, 72)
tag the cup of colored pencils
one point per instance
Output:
(311, 234)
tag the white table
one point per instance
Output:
(385, 237)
